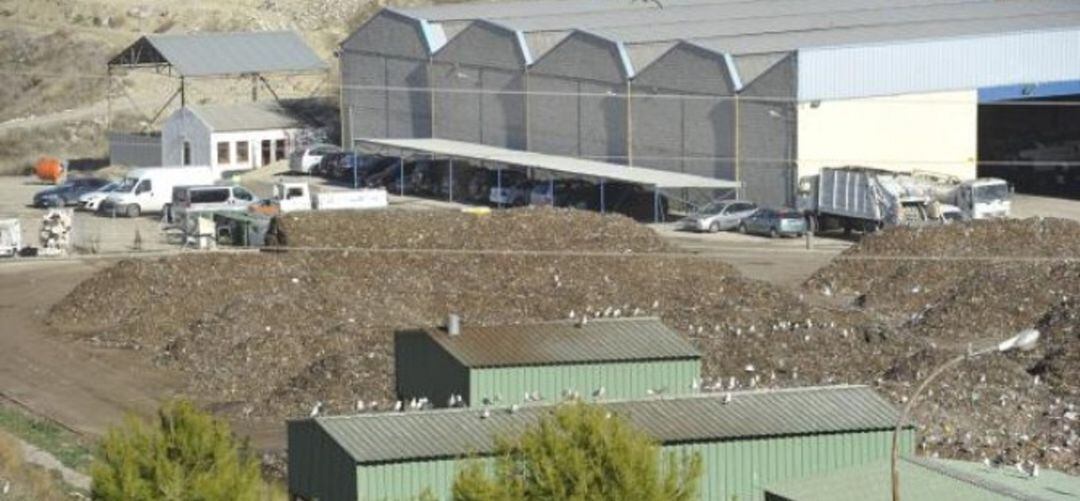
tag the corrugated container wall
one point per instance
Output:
(318, 467)
(478, 80)
(683, 115)
(623, 380)
(423, 369)
(733, 469)
(384, 75)
(577, 100)
(767, 142)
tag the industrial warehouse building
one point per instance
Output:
(929, 478)
(757, 439)
(761, 92)
(609, 358)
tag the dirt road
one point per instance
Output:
(81, 388)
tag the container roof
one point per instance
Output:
(262, 115)
(555, 163)
(564, 342)
(925, 478)
(453, 433)
(215, 54)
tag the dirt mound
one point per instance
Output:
(536, 229)
(944, 288)
(904, 270)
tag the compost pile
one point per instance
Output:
(266, 335)
(994, 278)
(532, 229)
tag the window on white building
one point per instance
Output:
(223, 151)
(242, 152)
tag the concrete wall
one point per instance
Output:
(181, 126)
(384, 74)
(479, 84)
(578, 100)
(767, 146)
(935, 132)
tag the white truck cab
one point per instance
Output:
(983, 198)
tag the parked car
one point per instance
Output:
(718, 216)
(774, 223)
(90, 201)
(68, 193)
(205, 198)
(302, 161)
(512, 190)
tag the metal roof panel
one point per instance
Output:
(407, 436)
(209, 54)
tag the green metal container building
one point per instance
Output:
(757, 439)
(620, 358)
(926, 478)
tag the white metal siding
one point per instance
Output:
(937, 65)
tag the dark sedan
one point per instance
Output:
(774, 223)
(68, 193)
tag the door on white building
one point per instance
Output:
(265, 153)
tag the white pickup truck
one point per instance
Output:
(292, 197)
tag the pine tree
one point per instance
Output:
(580, 452)
(189, 455)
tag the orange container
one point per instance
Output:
(49, 169)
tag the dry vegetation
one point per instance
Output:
(25, 482)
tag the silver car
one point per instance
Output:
(718, 216)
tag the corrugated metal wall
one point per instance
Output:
(479, 83)
(741, 469)
(694, 134)
(733, 470)
(135, 150)
(620, 380)
(423, 369)
(384, 74)
(767, 142)
(577, 100)
(318, 467)
(910, 67)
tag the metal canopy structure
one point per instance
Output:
(207, 55)
(219, 54)
(658, 179)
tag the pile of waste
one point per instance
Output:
(953, 288)
(533, 229)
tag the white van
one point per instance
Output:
(149, 190)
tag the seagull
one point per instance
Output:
(7, 487)
(584, 321)
(373, 405)
(316, 409)
(1020, 468)
(650, 392)
(986, 463)
(727, 398)
(452, 400)
(413, 405)
(397, 406)
(1034, 470)
(695, 384)
(484, 414)
(599, 392)
(571, 315)
(749, 368)
(359, 406)
(514, 408)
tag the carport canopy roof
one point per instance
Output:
(216, 54)
(555, 163)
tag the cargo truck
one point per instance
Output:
(868, 199)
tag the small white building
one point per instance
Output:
(235, 136)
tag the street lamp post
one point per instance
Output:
(1023, 341)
